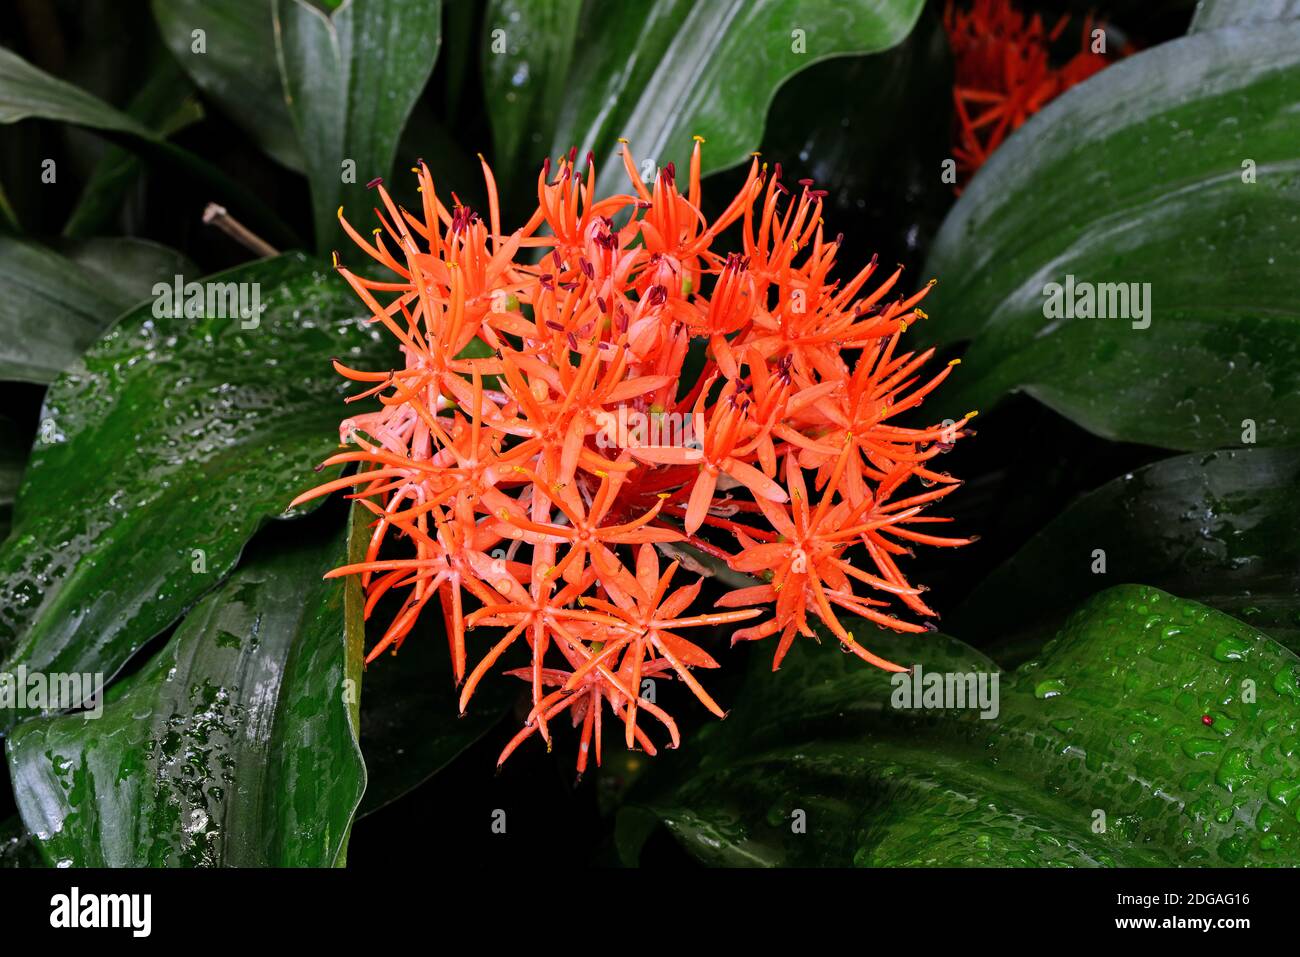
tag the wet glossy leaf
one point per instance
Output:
(164, 449)
(56, 305)
(351, 79)
(660, 72)
(1213, 14)
(237, 68)
(1099, 754)
(531, 46)
(1217, 527)
(1190, 190)
(235, 746)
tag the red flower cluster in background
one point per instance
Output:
(1004, 73)
(503, 459)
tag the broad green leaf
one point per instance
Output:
(823, 762)
(1218, 528)
(824, 137)
(237, 67)
(167, 445)
(128, 269)
(236, 745)
(658, 72)
(29, 93)
(1178, 168)
(530, 46)
(56, 305)
(351, 79)
(1213, 14)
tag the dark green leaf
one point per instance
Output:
(1157, 192)
(26, 92)
(127, 270)
(351, 79)
(530, 44)
(658, 73)
(826, 138)
(162, 451)
(1106, 728)
(1213, 14)
(460, 25)
(235, 746)
(237, 69)
(56, 305)
(429, 139)
(1219, 528)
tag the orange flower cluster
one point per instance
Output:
(502, 456)
(1004, 73)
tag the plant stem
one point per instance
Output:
(216, 215)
